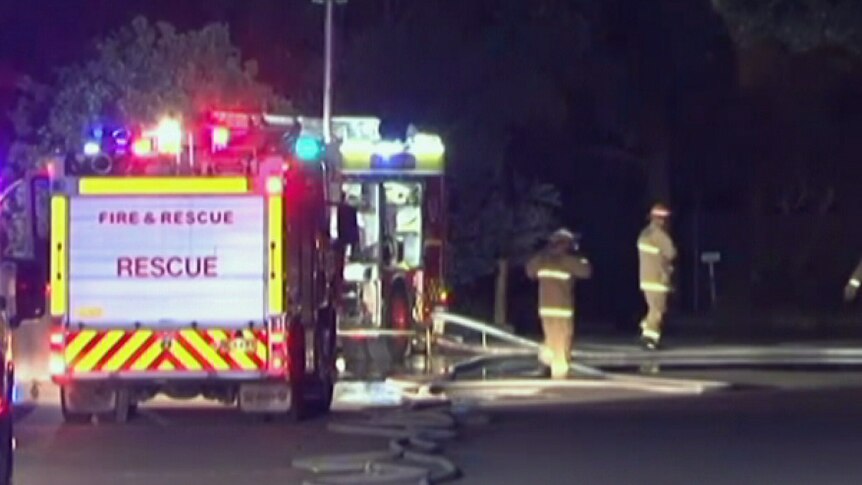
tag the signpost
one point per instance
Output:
(711, 259)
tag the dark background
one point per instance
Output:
(619, 102)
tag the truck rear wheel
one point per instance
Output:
(107, 405)
(299, 405)
(326, 343)
(312, 393)
(70, 416)
(6, 448)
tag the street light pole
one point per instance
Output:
(329, 39)
(327, 73)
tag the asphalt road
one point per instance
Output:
(757, 435)
(181, 446)
(783, 426)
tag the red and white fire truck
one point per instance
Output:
(194, 259)
(394, 272)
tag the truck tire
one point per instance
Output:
(312, 393)
(6, 448)
(300, 407)
(69, 416)
(326, 372)
(122, 406)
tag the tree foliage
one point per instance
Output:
(480, 75)
(801, 25)
(139, 73)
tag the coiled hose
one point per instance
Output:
(416, 434)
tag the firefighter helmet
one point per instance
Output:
(659, 211)
(563, 235)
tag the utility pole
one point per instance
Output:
(329, 37)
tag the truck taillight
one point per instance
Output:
(278, 352)
(56, 340)
(57, 361)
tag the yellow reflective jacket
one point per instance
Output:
(656, 253)
(557, 274)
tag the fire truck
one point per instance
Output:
(394, 182)
(192, 259)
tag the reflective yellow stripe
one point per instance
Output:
(185, 358)
(162, 185)
(654, 287)
(78, 343)
(59, 238)
(215, 360)
(258, 348)
(553, 274)
(148, 357)
(648, 248)
(93, 357)
(555, 312)
(649, 333)
(855, 283)
(276, 262)
(120, 358)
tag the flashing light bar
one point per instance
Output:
(142, 147)
(169, 137)
(92, 148)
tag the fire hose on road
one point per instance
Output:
(414, 455)
(519, 347)
(416, 433)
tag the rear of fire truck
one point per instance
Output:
(189, 264)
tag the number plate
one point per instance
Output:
(264, 398)
(241, 345)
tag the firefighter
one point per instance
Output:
(853, 284)
(556, 268)
(656, 253)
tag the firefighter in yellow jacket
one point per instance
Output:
(656, 252)
(556, 268)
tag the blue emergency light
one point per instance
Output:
(308, 148)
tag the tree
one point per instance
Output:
(800, 25)
(138, 74)
(481, 74)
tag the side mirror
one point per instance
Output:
(348, 227)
